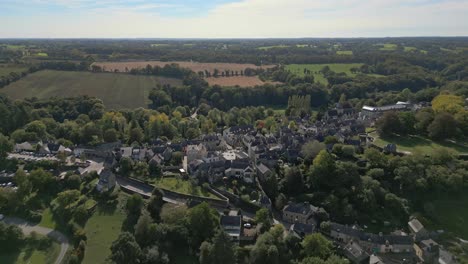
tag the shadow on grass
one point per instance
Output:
(421, 142)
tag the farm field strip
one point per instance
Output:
(194, 66)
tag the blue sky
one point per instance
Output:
(231, 18)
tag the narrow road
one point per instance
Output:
(28, 227)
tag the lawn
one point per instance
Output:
(42, 54)
(182, 186)
(103, 228)
(315, 69)
(48, 219)
(388, 46)
(118, 91)
(344, 52)
(30, 255)
(418, 144)
(159, 45)
(409, 49)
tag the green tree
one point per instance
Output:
(316, 245)
(142, 234)
(125, 250)
(202, 222)
(311, 149)
(263, 217)
(5, 146)
(443, 127)
(134, 204)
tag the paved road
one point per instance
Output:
(28, 228)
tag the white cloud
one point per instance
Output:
(252, 18)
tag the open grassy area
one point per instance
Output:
(48, 219)
(118, 91)
(182, 186)
(388, 47)
(6, 69)
(409, 49)
(28, 255)
(272, 47)
(418, 144)
(344, 52)
(315, 69)
(159, 45)
(42, 54)
(103, 228)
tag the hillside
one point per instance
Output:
(117, 91)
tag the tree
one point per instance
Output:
(159, 98)
(220, 251)
(292, 182)
(111, 135)
(125, 250)
(134, 204)
(311, 149)
(448, 103)
(5, 146)
(316, 245)
(443, 127)
(155, 204)
(126, 165)
(322, 169)
(388, 124)
(142, 235)
(263, 217)
(41, 180)
(202, 222)
(152, 255)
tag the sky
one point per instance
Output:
(231, 18)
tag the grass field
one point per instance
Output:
(344, 52)
(273, 47)
(409, 49)
(194, 66)
(103, 228)
(242, 81)
(117, 91)
(6, 69)
(42, 54)
(418, 144)
(159, 45)
(315, 69)
(29, 255)
(388, 47)
(181, 186)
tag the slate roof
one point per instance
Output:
(300, 208)
(229, 220)
(379, 239)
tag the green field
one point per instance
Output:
(315, 69)
(418, 144)
(6, 69)
(388, 47)
(409, 49)
(29, 255)
(118, 91)
(182, 186)
(344, 52)
(42, 54)
(103, 228)
(159, 45)
(273, 47)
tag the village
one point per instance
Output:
(245, 156)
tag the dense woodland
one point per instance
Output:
(389, 187)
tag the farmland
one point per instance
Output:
(344, 52)
(315, 69)
(194, 66)
(242, 81)
(387, 47)
(6, 69)
(117, 91)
